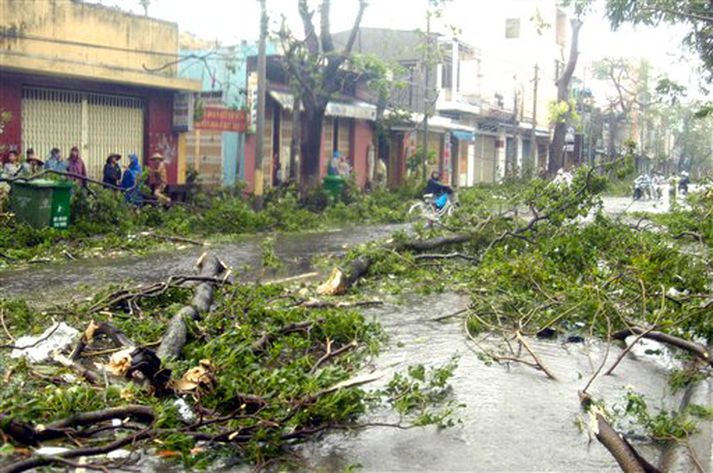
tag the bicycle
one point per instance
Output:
(428, 208)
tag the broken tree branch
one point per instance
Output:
(699, 350)
(527, 347)
(38, 461)
(332, 353)
(176, 334)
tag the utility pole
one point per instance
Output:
(427, 71)
(533, 138)
(260, 129)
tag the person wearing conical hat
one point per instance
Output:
(158, 178)
(32, 164)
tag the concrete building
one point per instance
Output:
(347, 127)
(217, 155)
(519, 41)
(419, 88)
(78, 74)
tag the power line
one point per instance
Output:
(44, 39)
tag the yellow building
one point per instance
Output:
(80, 74)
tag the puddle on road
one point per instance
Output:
(515, 418)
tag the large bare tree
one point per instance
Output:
(314, 65)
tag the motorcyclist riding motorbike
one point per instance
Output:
(683, 183)
(643, 187)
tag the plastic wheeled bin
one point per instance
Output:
(42, 202)
(333, 185)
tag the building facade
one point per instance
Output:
(348, 127)
(217, 155)
(78, 74)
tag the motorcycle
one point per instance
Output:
(642, 187)
(683, 186)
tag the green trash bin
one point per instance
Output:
(333, 185)
(42, 202)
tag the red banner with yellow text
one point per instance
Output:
(221, 119)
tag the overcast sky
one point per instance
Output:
(230, 21)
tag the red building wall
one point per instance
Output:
(363, 138)
(159, 131)
(11, 102)
(158, 134)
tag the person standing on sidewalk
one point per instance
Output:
(55, 161)
(75, 165)
(32, 164)
(112, 170)
(158, 179)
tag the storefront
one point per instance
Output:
(347, 130)
(108, 89)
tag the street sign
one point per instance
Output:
(183, 104)
(569, 137)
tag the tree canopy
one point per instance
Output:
(698, 14)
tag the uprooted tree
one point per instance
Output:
(315, 65)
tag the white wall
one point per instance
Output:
(508, 65)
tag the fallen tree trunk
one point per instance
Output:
(176, 335)
(341, 279)
(697, 349)
(434, 243)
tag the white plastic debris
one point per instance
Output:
(37, 349)
(675, 293)
(118, 454)
(51, 451)
(185, 411)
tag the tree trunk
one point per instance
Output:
(296, 139)
(557, 148)
(563, 81)
(613, 131)
(311, 147)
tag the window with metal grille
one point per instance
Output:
(512, 28)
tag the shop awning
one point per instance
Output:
(464, 135)
(352, 109)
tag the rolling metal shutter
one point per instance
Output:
(99, 124)
(485, 154)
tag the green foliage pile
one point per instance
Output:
(104, 223)
(566, 273)
(262, 398)
(695, 220)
